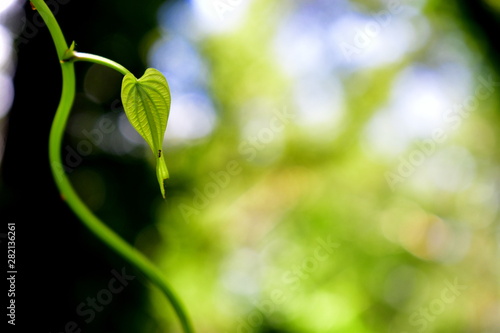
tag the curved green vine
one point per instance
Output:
(114, 241)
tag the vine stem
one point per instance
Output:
(79, 56)
(108, 236)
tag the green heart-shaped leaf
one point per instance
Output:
(147, 105)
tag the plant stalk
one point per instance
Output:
(96, 226)
(79, 56)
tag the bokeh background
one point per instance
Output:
(334, 165)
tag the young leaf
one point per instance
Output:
(147, 105)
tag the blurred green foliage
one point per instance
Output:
(414, 255)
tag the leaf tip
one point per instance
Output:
(162, 174)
